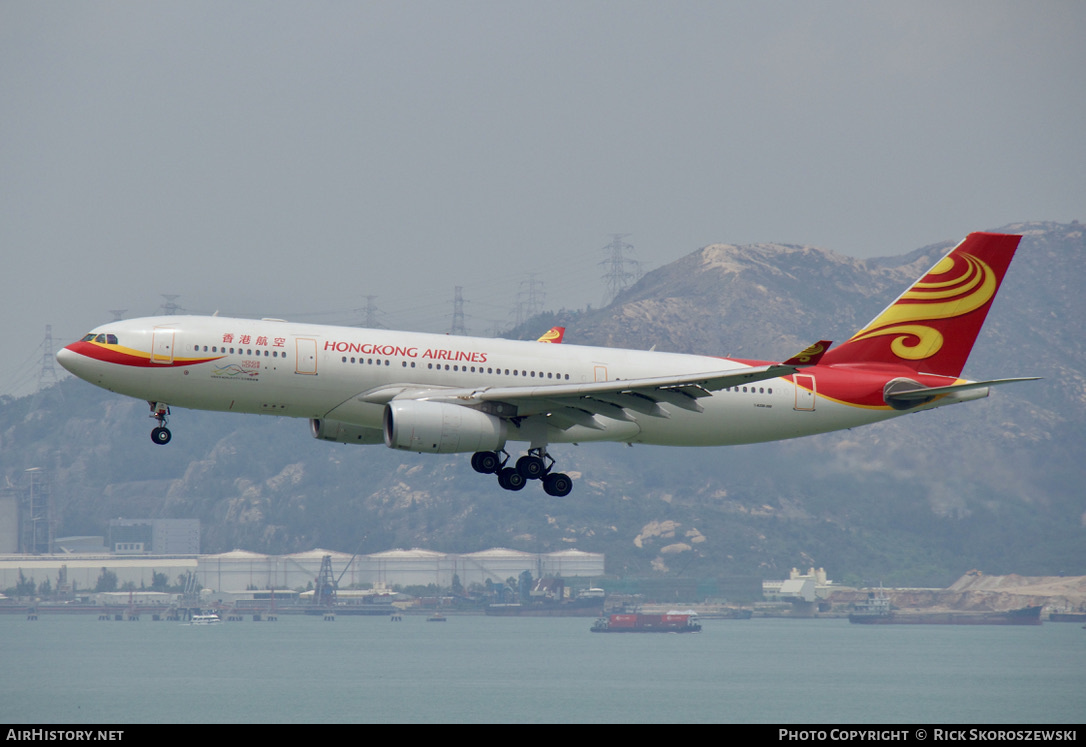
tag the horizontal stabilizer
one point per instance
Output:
(924, 394)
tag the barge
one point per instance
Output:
(637, 623)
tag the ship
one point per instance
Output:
(877, 610)
(637, 623)
(208, 619)
(1067, 617)
(548, 599)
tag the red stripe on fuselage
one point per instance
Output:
(860, 384)
(113, 354)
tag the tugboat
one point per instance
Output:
(875, 609)
(637, 623)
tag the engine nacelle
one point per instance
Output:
(344, 433)
(441, 428)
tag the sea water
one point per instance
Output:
(473, 669)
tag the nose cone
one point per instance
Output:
(64, 358)
(73, 362)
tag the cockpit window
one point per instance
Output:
(109, 339)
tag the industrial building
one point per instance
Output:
(239, 569)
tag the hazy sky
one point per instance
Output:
(290, 159)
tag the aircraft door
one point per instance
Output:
(162, 345)
(600, 372)
(305, 361)
(805, 392)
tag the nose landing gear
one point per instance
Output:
(537, 464)
(160, 412)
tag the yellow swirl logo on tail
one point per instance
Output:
(957, 285)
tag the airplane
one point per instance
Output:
(434, 393)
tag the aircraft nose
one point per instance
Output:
(67, 358)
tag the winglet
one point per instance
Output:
(554, 334)
(811, 356)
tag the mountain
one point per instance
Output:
(994, 484)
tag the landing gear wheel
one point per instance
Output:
(531, 467)
(510, 479)
(486, 462)
(161, 436)
(557, 484)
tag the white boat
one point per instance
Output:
(211, 619)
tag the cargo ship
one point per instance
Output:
(637, 623)
(1067, 617)
(877, 611)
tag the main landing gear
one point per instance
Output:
(160, 412)
(537, 464)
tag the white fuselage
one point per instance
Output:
(275, 367)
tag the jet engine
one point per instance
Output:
(344, 433)
(441, 428)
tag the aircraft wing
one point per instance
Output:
(578, 404)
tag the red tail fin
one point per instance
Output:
(932, 326)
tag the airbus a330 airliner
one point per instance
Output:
(442, 394)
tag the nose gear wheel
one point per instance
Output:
(161, 434)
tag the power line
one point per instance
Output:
(170, 308)
(48, 374)
(458, 327)
(370, 312)
(621, 271)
